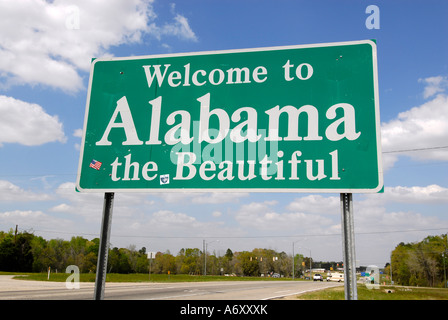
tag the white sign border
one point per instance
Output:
(276, 190)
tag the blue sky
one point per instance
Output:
(45, 54)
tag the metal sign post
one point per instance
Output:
(101, 269)
(348, 246)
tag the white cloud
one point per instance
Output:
(218, 197)
(78, 133)
(434, 85)
(50, 42)
(261, 216)
(379, 230)
(201, 197)
(33, 219)
(311, 222)
(316, 204)
(90, 205)
(373, 216)
(373, 213)
(87, 205)
(179, 28)
(429, 194)
(27, 123)
(216, 214)
(164, 218)
(421, 127)
(11, 192)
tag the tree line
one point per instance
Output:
(25, 252)
(421, 263)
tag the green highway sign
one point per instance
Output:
(282, 119)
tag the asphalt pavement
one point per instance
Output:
(12, 289)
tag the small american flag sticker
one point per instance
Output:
(95, 164)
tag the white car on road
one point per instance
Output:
(318, 277)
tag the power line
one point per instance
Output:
(416, 149)
(236, 237)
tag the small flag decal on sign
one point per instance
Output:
(95, 164)
(164, 179)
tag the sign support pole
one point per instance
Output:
(103, 251)
(348, 245)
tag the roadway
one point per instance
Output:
(11, 289)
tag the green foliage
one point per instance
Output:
(384, 293)
(25, 252)
(421, 263)
(249, 263)
(15, 251)
(414, 264)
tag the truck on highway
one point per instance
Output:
(339, 277)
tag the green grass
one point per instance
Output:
(398, 293)
(135, 277)
(336, 293)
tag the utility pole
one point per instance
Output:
(391, 281)
(205, 257)
(293, 260)
(204, 245)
